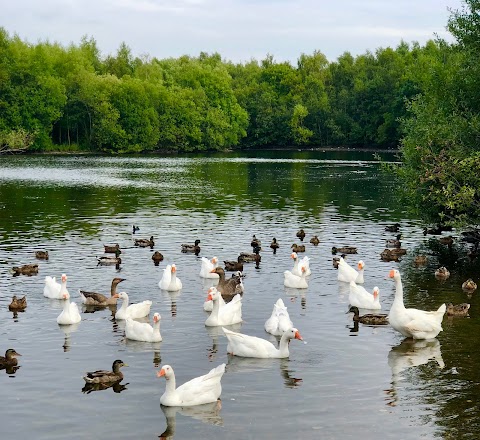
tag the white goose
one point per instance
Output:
(279, 322)
(347, 273)
(227, 314)
(413, 323)
(295, 281)
(133, 311)
(361, 298)
(208, 304)
(251, 346)
(298, 264)
(52, 288)
(200, 390)
(207, 267)
(70, 313)
(169, 279)
(143, 331)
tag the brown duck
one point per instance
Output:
(112, 248)
(315, 240)
(394, 242)
(143, 242)
(388, 255)
(442, 273)
(97, 299)
(469, 286)
(157, 257)
(370, 318)
(344, 250)
(10, 359)
(233, 266)
(18, 304)
(458, 310)
(301, 234)
(27, 269)
(195, 248)
(420, 260)
(226, 287)
(274, 245)
(107, 260)
(41, 255)
(298, 247)
(104, 376)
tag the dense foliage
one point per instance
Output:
(61, 98)
(440, 148)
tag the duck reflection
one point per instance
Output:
(207, 413)
(410, 353)
(215, 333)
(117, 387)
(294, 294)
(67, 330)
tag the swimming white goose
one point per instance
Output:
(251, 346)
(207, 267)
(133, 311)
(298, 264)
(413, 323)
(70, 313)
(143, 331)
(360, 297)
(52, 289)
(200, 390)
(208, 304)
(279, 322)
(227, 314)
(169, 279)
(347, 273)
(295, 281)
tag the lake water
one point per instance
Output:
(347, 382)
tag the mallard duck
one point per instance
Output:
(469, 286)
(298, 247)
(394, 242)
(112, 248)
(157, 257)
(104, 376)
(274, 245)
(446, 240)
(344, 250)
(247, 256)
(10, 359)
(41, 255)
(393, 228)
(18, 304)
(26, 269)
(97, 299)
(369, 318)
(135, 229)
(315, 240)
(398, 251)
(413, 323)
(458, 310)
(234, 265)
(226, 287)
(442, 273)
(195, 248)
(255, 242)
(107, 260)
(301, 234)
(420, 260)
(143, 242)
(388, 255)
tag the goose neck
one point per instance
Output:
(170, 383)
(283, 347)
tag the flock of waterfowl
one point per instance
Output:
(224, 302)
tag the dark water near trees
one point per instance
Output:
(347, 382)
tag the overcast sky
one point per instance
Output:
(237, 29)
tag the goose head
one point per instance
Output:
(294, 255)
(214, 260)
(360, 265)
(394, 273)
(64, 278)
(166, 371)
(121, 295)
(212, 294)
(376, 292)
(173, 268)
(293, 333)
(156, 317)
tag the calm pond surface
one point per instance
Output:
(347, 382)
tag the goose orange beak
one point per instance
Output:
(174, 269)
(298, 335)
(360, 266)
(161, 373)
(292, 255)
(391, 274)
(209, 297)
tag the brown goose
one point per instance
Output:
(18, 304)
(97, 299)
(233, 266)
(41, 255)
(26, 269)
(226, 287)
(10, 359)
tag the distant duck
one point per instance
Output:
(133, 311)
(18, 305)
(53, 289)
(301, 234)
(223, 314)
(469, 286)
(442, 273)
(344, 250)
(169, 280)
(458, 310)
(26, 269)
(97, 299)
(360, 297)
(446, 240)
(208, 266)
(255, 242)
(347, 273)
(157, 258)
(41, 255)
(135, 229)
(112, 248)
(274, 245)
(369, 318)
(70, 313)
(388, 255)
(295, 281)
(247, 256)
(105, 376)
(143, 242)
(279, 321)
(234, 265)
(315, 240)
(226, 287)
(398, 251)
(195, 248)
(107, 260)
(394, 242)
(393, 228)
(420, 260)
(143, 331)
(298, 247)
(10, 359)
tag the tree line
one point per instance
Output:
(71, 98)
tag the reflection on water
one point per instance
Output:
(67, 331)
(116, 387)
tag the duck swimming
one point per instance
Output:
(105, 376)
(274, 245)
(394, 242)
(97, 299)
(18, 305)
(107, 260)
(195, 248)
(112, 248)
(301, 234)
(458, 310)
(344, 250)
(315, 240)
(157, 258)
(143, 242)
(26, 269)
(420, 260)
(233, 266)
(393, 228)
(10, 359)
(297, 247)
(369, 318)
(41, 255)
(469, 286)
(442, 273)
